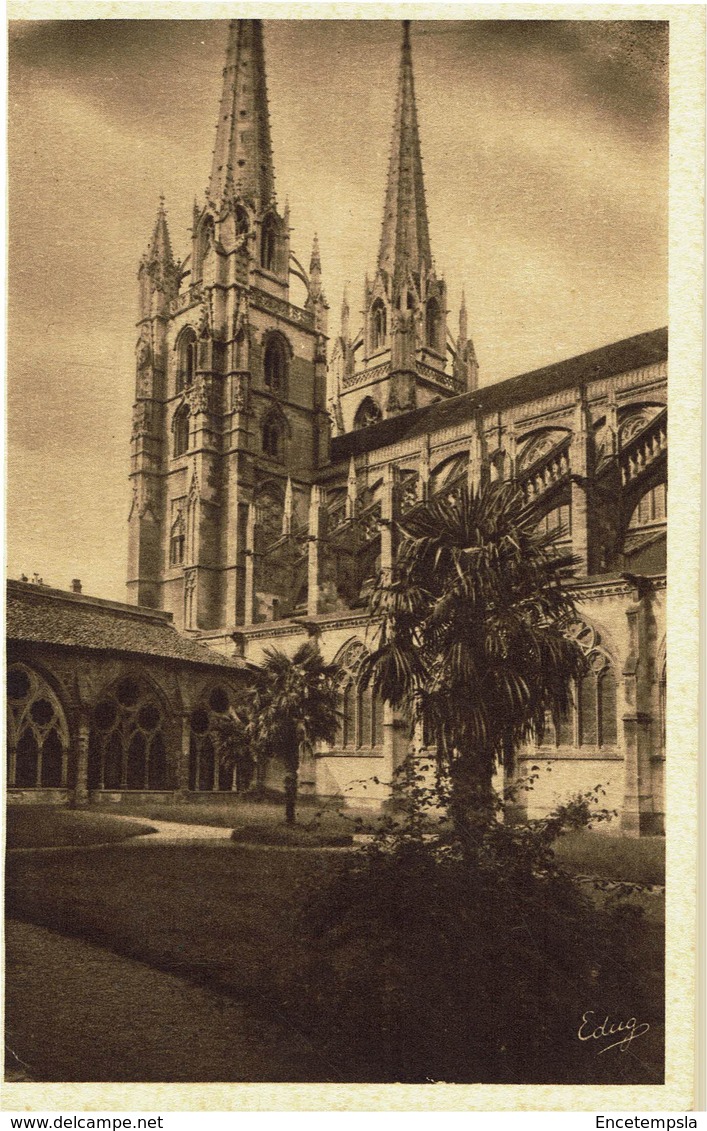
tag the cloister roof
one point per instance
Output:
(41, 615)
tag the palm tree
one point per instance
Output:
(473, 633)
(292, 705)
(233, 741)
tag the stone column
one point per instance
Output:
(637, 806)
(183, 753)
(81, 796)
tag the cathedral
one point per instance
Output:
(272, 455)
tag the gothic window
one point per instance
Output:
(186, 360)
(651, 509)
(592, 720)
(538, 446)
(127, 748)
(268, 243)
(37, 734)
(360, 717)
(242, 222)
(208, 771)
(378, 324)
(275, 365)
(433, 325)
(360, 710)
(273, 438)
(181, 430)
(367, 413)
(176, 543)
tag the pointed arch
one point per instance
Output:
(592, 721)
(177, 538)
(37, 730)
(269, 239)
(367, 413)
(242, 220)
(635, 417)
(274, 432)
(277, 353)
(433, 325)
(535, 445)
(379, 325)
(180, 430)
(185, 347)
(360, 709)
(208, 771)
(127, 746)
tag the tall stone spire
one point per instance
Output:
(242, 160)
(405, 239)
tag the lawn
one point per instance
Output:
(221, 916)
(634, 859)
(639, 860)
(42, 826)
(263, 822)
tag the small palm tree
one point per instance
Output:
(233, 742)
(473, 635)
(292, 705)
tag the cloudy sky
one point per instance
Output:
(545, 155)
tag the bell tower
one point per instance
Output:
(239, 425)
(404, 356)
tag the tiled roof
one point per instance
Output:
(41, 615)
(619, 357)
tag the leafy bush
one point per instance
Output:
(424, 961)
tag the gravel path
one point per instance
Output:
(75, 1012)
(171, 832)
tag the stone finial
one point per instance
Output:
(351, 490)
(288, 509)
(463, 328)
(345, 314)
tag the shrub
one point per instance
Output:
(419, 963)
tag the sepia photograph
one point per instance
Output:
(337, 506)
